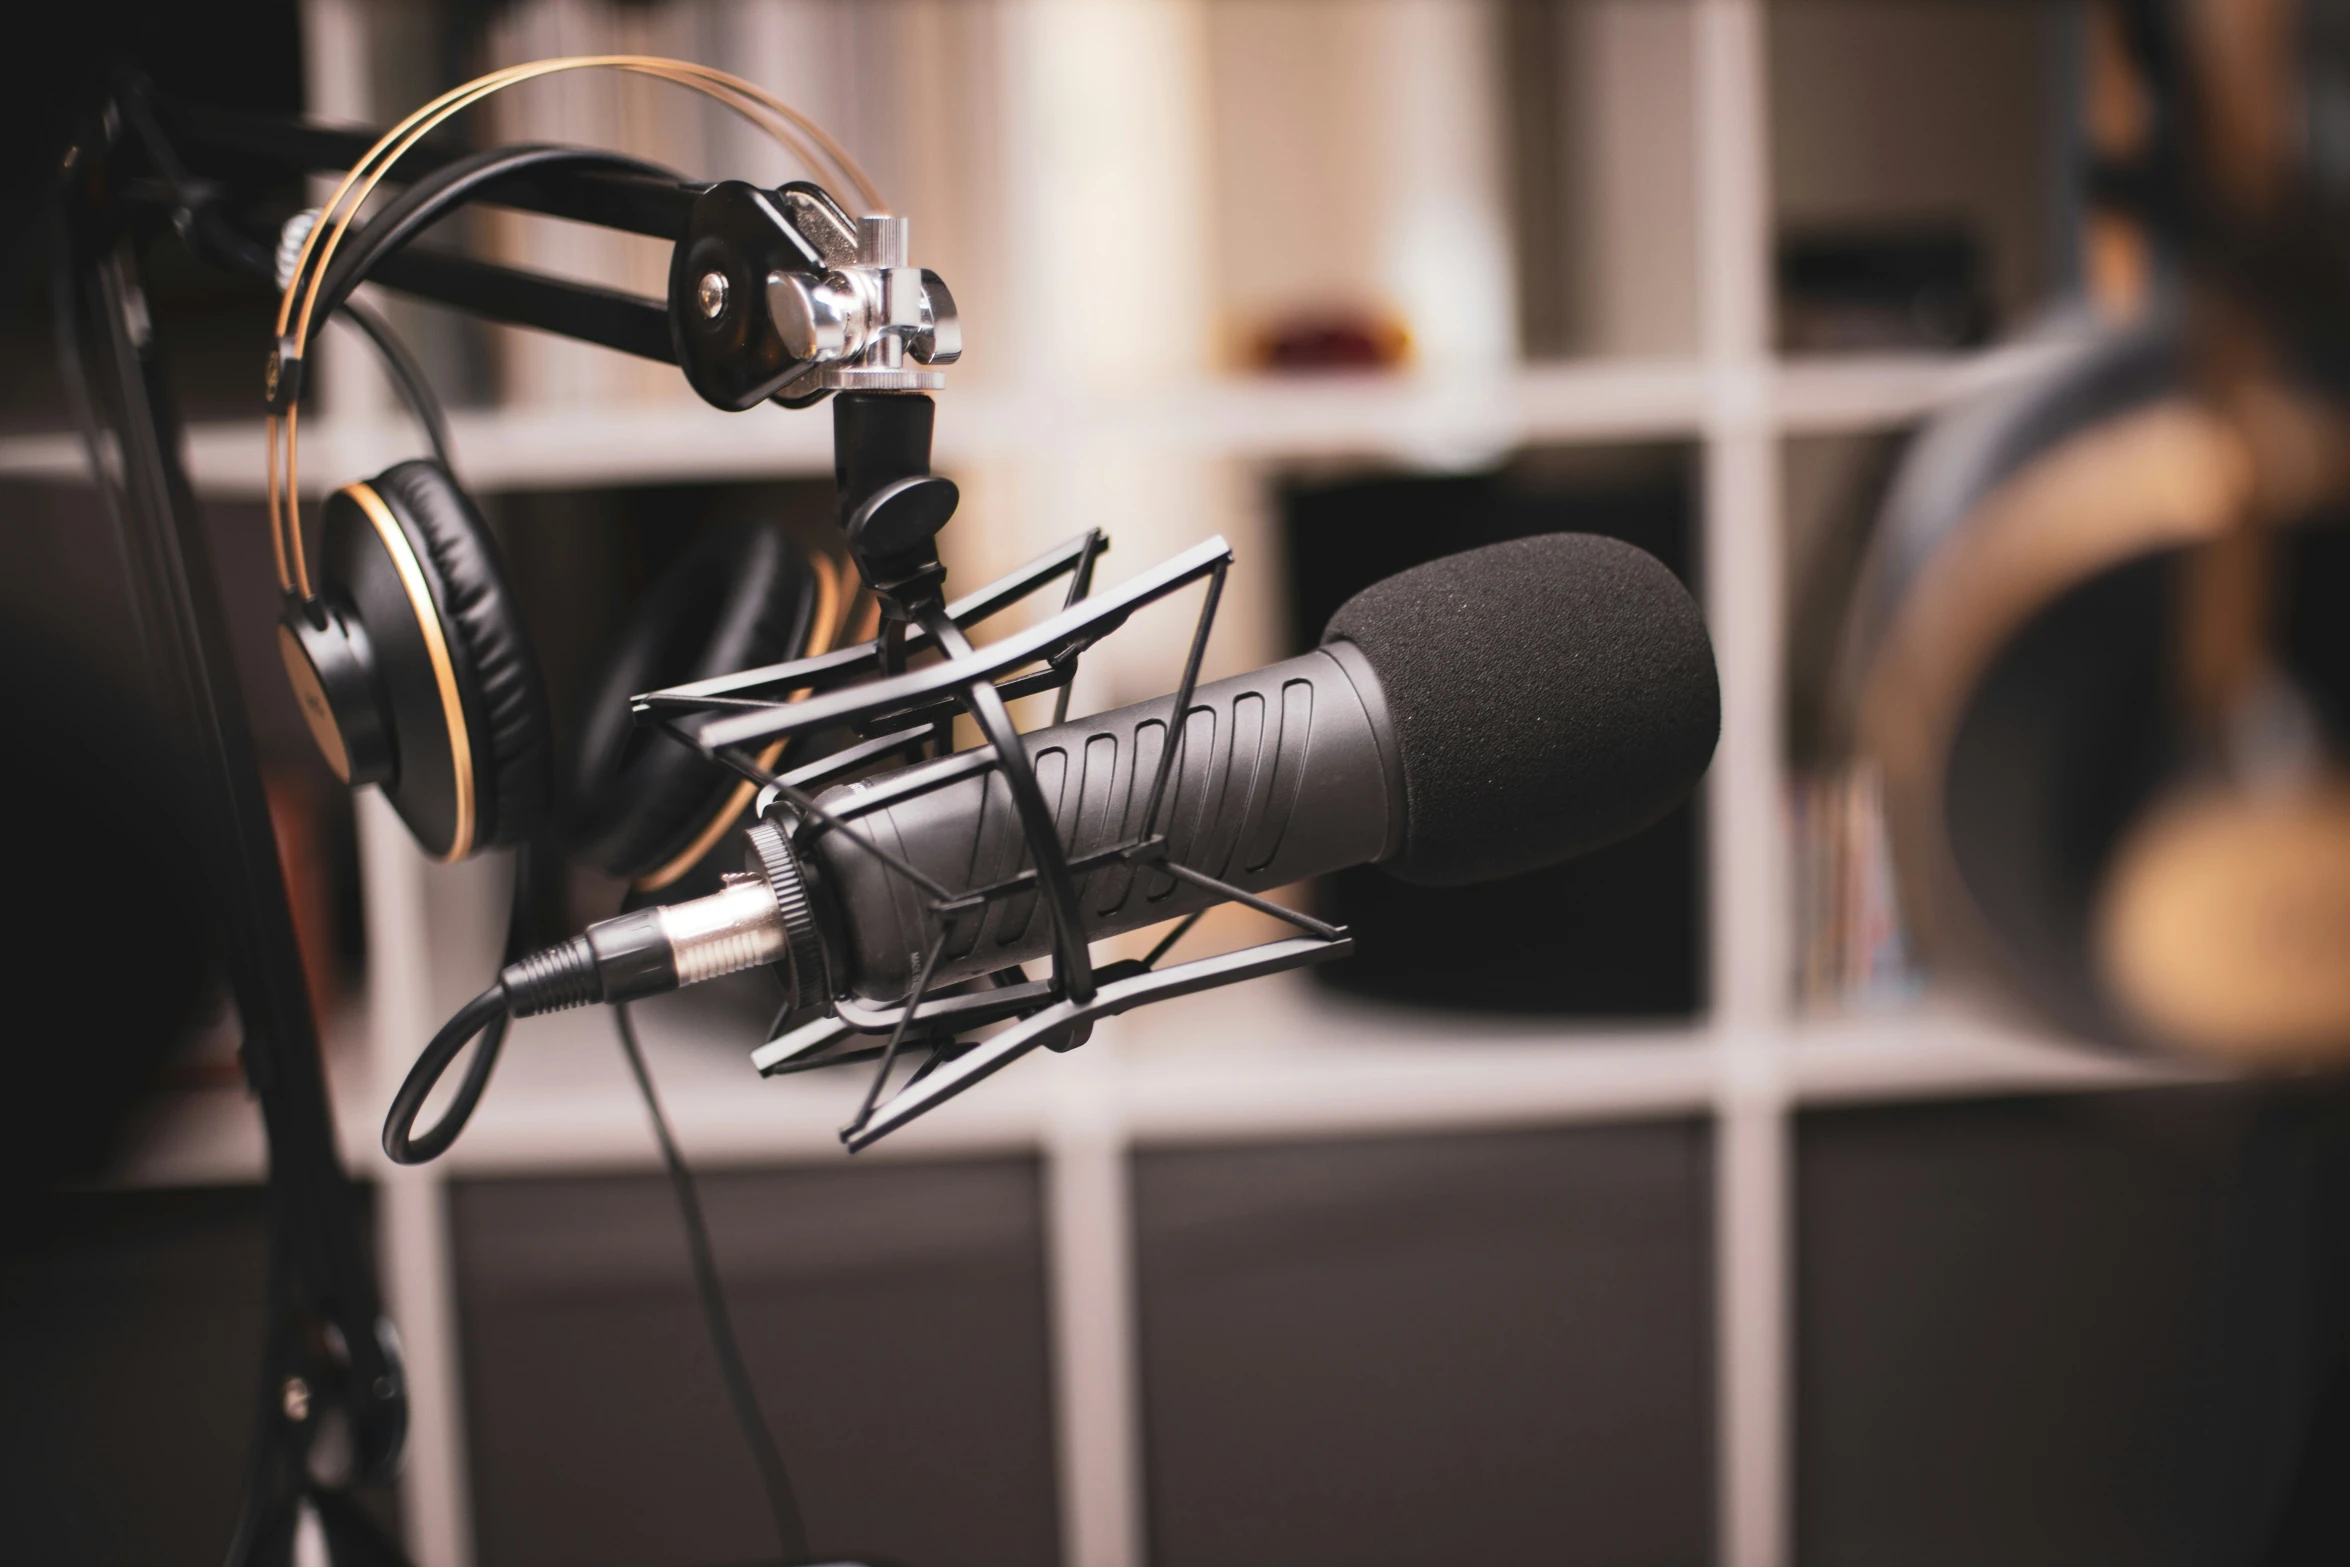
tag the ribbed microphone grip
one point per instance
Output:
(1283, 774)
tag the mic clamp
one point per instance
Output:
(861, 323)
(781, 294)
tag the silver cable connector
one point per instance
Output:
(758, 915)
(289, 243)
(738, 927)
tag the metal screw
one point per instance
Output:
(710, 294)
(297, 1400)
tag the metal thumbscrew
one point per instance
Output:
(710, 294)
(297, 1400)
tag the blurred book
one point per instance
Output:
(1852, 952)
(1882, 289)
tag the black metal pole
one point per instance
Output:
(329, 1350)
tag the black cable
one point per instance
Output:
(441, 192)
(487, 1015)
(791, 1534)
(407, 377)
(209, 234)
(65, 315)
(565, 975)
(560, 976)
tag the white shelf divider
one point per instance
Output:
(1295, 1067)
(1747, 896)
(419, 1283)
(1097, 1355)
(1257, 419)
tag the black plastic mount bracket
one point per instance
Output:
(891, 505)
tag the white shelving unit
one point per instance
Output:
(1279, 1060)
(1227, 417)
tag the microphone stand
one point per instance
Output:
(332, 1407)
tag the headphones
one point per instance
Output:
(2101, 652)
(401, 636)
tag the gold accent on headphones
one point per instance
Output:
(310, 696)
(2223, 922)
(2169, 475)
(436, 645)
(779, 120)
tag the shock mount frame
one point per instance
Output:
(853, 696)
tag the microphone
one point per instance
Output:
(1489, 713)
(1485, 714)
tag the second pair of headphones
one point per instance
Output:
(406, 650)
(2104, 658)
(2058, 819)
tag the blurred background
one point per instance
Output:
(1665, 1207)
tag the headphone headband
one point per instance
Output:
(770, 114)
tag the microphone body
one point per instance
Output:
(1484, 714)
(1284, 773)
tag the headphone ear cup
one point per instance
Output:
(2003, 669)
(411, 559)
(2218, 925)
(2058, 824)
(637, 804)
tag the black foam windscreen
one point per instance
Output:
(1548, 695)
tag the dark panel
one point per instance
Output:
(1458, 1349)
(2063, 1331)
(1542, 128)
(894, 1320)
(214, 327)
(1618, 933)
(580, 563)
(130, 1350)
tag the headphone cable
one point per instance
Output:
(791, 1533)
(407, 378)
(569, 974)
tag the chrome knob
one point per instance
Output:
(812, 317)
(940, 339)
